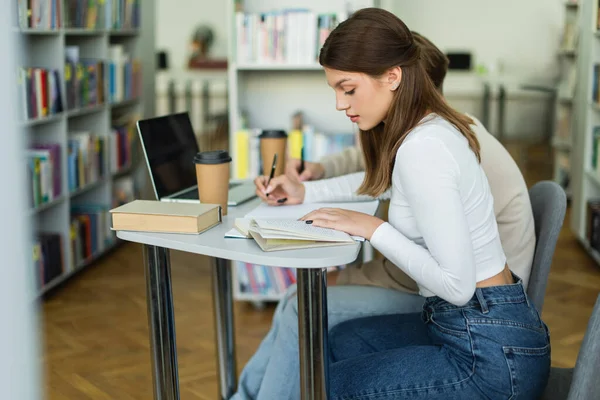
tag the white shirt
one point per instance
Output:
(442, 230)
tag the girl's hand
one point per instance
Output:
(352, 222)
(281, 190)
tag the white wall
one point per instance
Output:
(523, 34)
(176, 21)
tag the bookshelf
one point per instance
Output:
(273, 74)
(585, 221)
(80, 86)
(562, 138)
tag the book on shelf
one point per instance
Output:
(124, 74)
(40, 92)
(570, 34)
(84, 80)
(86, 159)
(121, 140)
(288, 36)
(596, 84)
(44, 173)
(593, 223)
(47, 257)
(166, 217)
(90, 232)
(39, 14)
(247, 162)
(595, 164)
(261, 280)
(102, 14)
(563, 124)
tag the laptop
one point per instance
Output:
(169, 147)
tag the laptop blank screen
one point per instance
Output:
(170, 147)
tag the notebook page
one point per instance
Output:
(296, 227)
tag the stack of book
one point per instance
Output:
(124, 75)
(292, 36)
(84, 80)
(40, 92)
(48, 261)
(90, 232)
(86, 159)
(101, 14)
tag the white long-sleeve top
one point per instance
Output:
(442, 231)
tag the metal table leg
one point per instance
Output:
(161, 320)
(312, 330)
(224, 328)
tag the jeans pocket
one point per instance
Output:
(529, 369)
(446, 325)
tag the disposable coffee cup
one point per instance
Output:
(271, 142)
(212, 174)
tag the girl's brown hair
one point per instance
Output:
(372, 41)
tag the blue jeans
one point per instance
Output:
(494, 347)
(272, 372)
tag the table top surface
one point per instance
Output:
(214, 244)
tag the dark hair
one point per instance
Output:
(433, 59)
(371, 41)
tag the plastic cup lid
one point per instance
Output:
(212, 157)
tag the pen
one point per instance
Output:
(301, 160)
(272, 170)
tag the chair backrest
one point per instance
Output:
(549, 204)
(585, 383)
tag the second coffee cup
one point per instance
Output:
(212, 174)
(271, 142)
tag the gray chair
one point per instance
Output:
(581, 382)
(549, 204)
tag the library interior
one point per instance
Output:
(144, 259)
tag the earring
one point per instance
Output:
(395, 86)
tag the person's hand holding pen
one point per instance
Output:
(279, 190)
(301, 170)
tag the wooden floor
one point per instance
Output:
(95, 332)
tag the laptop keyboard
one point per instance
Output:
(191, 194)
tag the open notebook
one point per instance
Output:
(289, 234)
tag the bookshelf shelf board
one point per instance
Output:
(84, 32)
(124, 32)
(87, 188)
(561, 144)
(33, 31)
(568, 52)
(565, 100)
(125, 103)
(65, 276)
(86, 110)
(43, 120)
(279, 67)
(47, 205)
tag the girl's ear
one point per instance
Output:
(394, 76)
